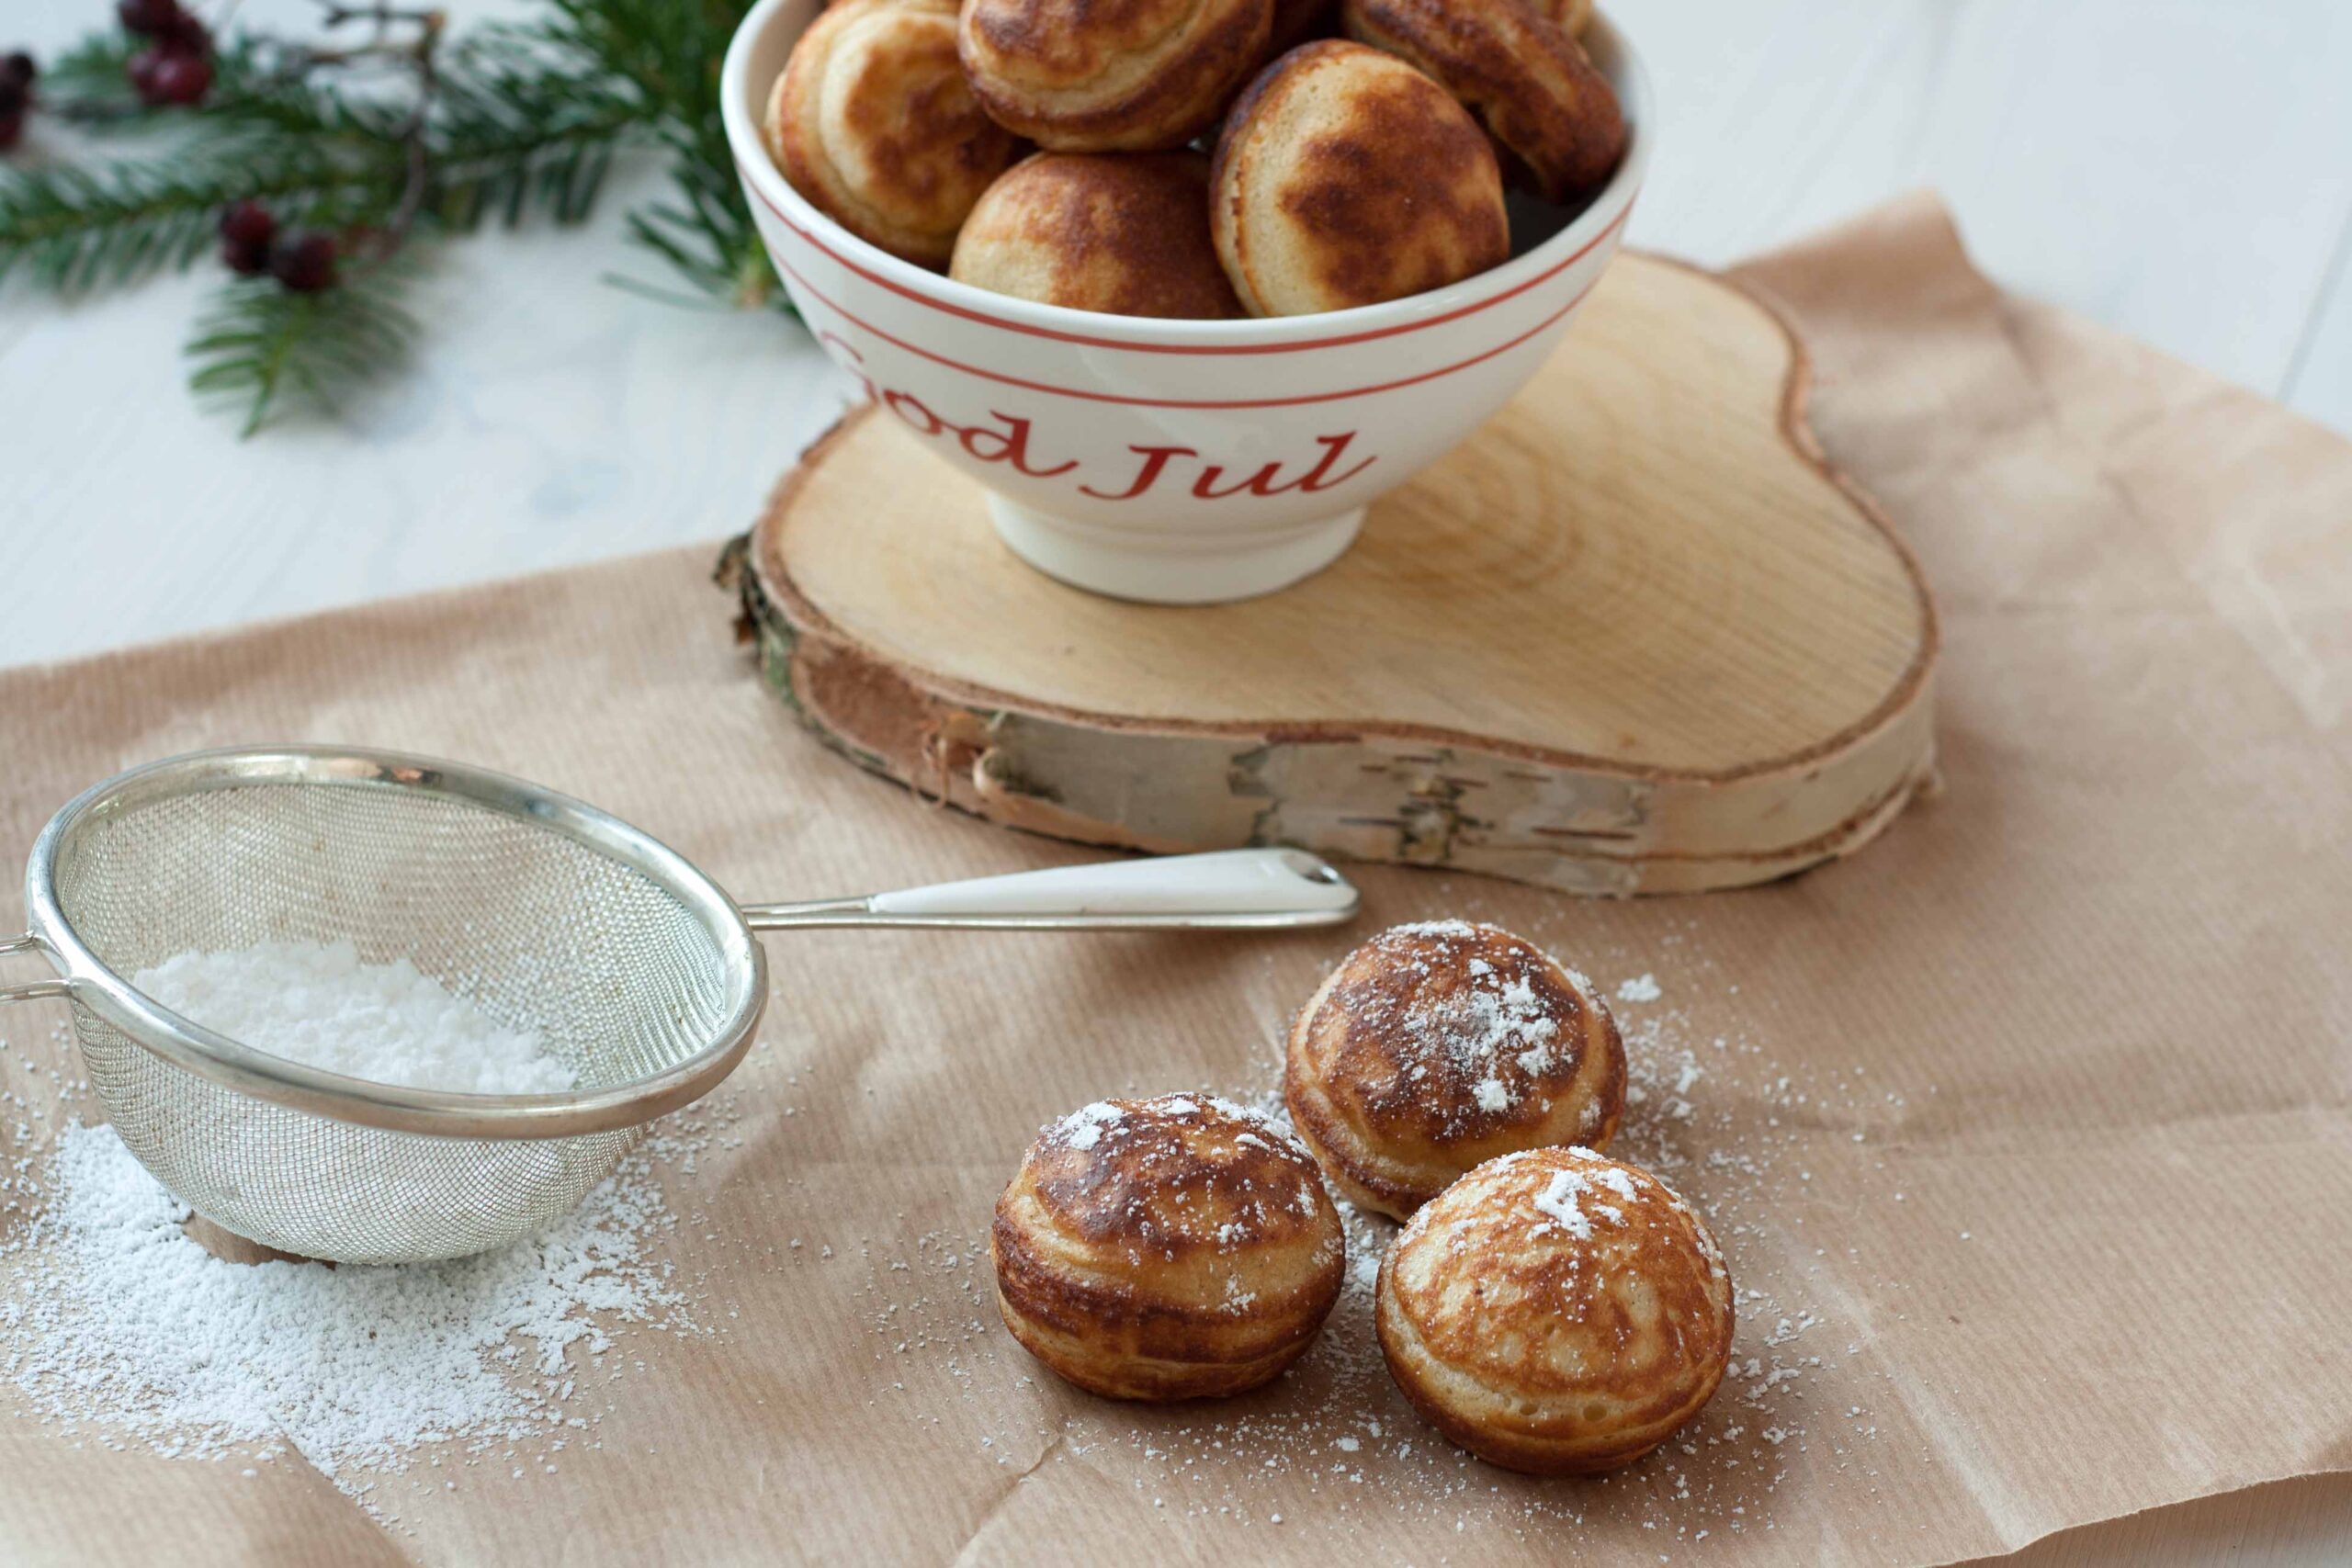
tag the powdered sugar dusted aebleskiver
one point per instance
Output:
(1166, 1248)
(1438, 1045)
(1557, 1312)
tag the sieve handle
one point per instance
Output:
(1227, 890)
(31, 990)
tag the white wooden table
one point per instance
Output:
(2179, 169)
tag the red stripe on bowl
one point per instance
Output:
(1287, 346)
(1092, 397)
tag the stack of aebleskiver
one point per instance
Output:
(1549, 1308)
(1061, 151)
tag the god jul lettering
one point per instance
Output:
(1007, 441)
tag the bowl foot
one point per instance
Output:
(1180, 571)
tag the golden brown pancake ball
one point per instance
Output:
(1434, 1047)
(1169, 1249)
(1557, 1312)
(1346, 177)
(873, 123)
(1125, 233)
(1111, 75)
(1571, 17)
(1525, 77)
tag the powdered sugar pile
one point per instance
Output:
(1641, 988)
(1088, 1125)
(1083, 1128)
(1470, 1028)
(317, 1004)
(1558, 1199)
(123, 1327)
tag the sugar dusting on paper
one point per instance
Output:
(119, 1331)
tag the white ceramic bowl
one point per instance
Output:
(1176, 462)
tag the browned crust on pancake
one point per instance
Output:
(1126, 233)
(1110, 75)
(924, 150)
(1187, 1251)
(1523, 76)
(1344, 178)
(1433, 1048)
(1541, 1351)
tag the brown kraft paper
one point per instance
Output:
(2025, 1130)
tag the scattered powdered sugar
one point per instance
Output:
(1083, 1128)
(1463, 1022)
(1559, 1200)
(1086, 1127)
(121, 1327)
(317, 1004)
(1481, 1025)
(1454, 927)
(1278, 1127)
(1713, 1116)
(1641, 988)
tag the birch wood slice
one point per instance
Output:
(1634, 636)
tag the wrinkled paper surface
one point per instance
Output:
(2024, 1130)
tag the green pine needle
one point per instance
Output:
(75, 227)
(266, 351)
(524, 123)
(668, 53)
(87, 85)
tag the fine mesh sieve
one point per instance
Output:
(635, 970)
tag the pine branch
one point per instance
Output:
(510, 123)
(509, 137)
(669, 53)
(520, 131)
(87, 82)
(269, 349)
(74, 228)
(88, 85)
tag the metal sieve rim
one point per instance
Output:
(395, 1108)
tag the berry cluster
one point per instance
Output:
(250, 243)
(16, 73)
(176, 66)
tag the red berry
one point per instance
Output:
(12, 129)
(179, 79)
(248, 223)
(12, 94)
(185, 35)
(305, 264)
(142, 73)
(18, 68)
(148, 19)
(247, 230)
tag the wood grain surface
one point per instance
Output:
(2179, 169)
(1634, 636)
